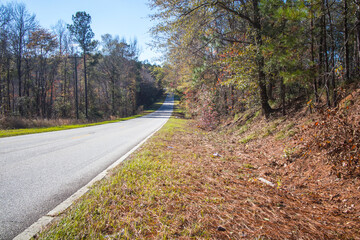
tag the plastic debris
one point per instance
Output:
(216, 155)
(266, 182)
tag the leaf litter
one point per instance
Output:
(186, 192)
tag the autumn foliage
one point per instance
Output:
(259, 54)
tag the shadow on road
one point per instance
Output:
(165, 110)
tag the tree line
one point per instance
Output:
(64, 73)
(226, 56)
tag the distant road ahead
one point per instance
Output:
(39, 171)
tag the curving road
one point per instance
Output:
(39, 171)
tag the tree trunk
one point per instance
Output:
(18, 65)
(321, 55)
(65, 80)
(13, 94)
(37, 93)
(266, 109)
(315, 86)
(27, 78)
(346, 41)
(86, 87)
(43, 87)
(283, 103)
(358, 36)
(113, 95)
(232, 102)
(270, 87)
(50, 111)
(333, 80)
(8, 86)
(76, 90)
(325, 76)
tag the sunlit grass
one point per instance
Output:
(142, 199)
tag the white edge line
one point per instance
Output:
(49, 217)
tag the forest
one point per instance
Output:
(63, 72)
(226, 56)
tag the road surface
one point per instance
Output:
(39, 171)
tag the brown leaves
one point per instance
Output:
(338, 138)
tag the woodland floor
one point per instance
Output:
(211, 184)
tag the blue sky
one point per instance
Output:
(125, 18)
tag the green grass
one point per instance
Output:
(288, 131)
(132, 202)
(248, 138)
(248, 165)
(24, 131)
(143, 198)
(271, 128)
(245, 127)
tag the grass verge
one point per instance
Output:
(187, 183)
(24, 131)
(143, 198)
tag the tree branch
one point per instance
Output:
(239, 14)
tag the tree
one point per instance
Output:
(35, 71)
(23, 24)
(41, 45)
(357, 24)
(60, 30)
(346, 41)
(64, 41)
(211, 25)
(5, 57)
(117, 68)
(83, 34)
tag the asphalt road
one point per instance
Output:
(39, 171)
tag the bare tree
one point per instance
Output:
(5, 56)
(23, 24)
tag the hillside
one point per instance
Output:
(313, 162)
(294, 177)
(282, 178)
